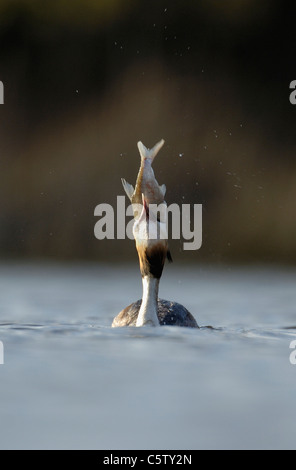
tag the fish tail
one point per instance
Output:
(149, 153)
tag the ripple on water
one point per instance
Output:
(229, 384)
(91, 330)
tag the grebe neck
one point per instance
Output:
(148, 310)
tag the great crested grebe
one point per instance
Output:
(152, 250)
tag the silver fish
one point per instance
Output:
(147, 188)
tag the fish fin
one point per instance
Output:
(129, 189)
(163, 189)
(169, 256)
(150, 153)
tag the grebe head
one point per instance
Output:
(150, 233)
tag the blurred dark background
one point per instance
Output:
(85, 80)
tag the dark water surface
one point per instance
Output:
(70, 381)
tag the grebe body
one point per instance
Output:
(168, 313)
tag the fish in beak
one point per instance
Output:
(146, 183)
(149, 208)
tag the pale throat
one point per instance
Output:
(148, 310)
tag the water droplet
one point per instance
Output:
(181, 155)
